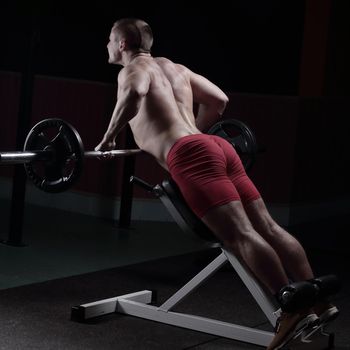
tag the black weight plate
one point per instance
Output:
(64, 167)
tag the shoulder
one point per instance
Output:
(163, 60)
(168, 64)
(125, 71)
(130, 71)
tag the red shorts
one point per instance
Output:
(209, 173)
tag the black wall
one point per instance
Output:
(338, 53)
(242, 45)
(245, 46)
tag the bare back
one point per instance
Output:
(166, 111)
(156, 96)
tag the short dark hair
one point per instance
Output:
(137, 33)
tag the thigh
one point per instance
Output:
(259, 215)
(229, 222)
(267, 227)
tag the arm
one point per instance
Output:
(133, 85)
(211, 99)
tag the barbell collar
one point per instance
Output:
(24, 157)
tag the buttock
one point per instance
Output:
(209, 173)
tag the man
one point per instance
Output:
(156, 96)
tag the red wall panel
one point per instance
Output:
(281, 124)
(9, 101)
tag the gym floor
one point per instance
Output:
(70, 259)
(60, 243)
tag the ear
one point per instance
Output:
(122, 45)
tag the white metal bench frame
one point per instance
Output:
(138, 303)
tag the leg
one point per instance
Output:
(212, 181)
(200, 166)
(232, 226)
(289, 250)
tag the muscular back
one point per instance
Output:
(166, 111)
(156, 96)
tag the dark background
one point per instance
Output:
(254, 48)
(247, 46)
(243, 45)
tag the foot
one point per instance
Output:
(290, 325)
(326, 313)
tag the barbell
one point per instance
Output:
(53, 151)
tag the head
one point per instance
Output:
(131, 36)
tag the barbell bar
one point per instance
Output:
(53, 155)
(40, 155)
(113, 153)
(53, 151)
(23, 157)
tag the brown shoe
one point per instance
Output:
(326, 313)
(290, 325)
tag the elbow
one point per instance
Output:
(222, 103)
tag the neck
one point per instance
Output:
(139, 54)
